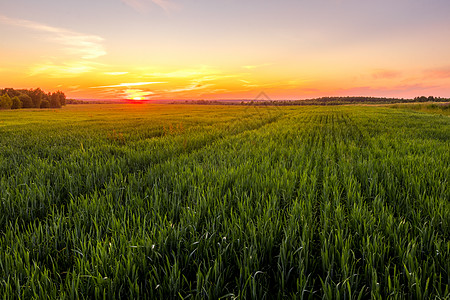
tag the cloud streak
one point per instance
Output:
(185, 73)
(441, 73)
(190, 88)
(143, 6)
(385, 74)
(115, 73)
(136, 94)
(71, 69)
(127, 84)
(83, 45)
(250, 67)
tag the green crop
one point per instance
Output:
(224, 202)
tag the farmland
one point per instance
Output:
(179, 201)
(433, 108)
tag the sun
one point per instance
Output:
(137, 98)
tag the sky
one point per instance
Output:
(226, 49)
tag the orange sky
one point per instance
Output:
(161, 49)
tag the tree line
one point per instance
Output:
(318, 101)
(33, 98)
(351, 100)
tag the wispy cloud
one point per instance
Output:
(166, 5)
(71, 69)
(143, 6)
(115, 73)
(185, 73)
(440, 73)
(190, 88)
(127, 84)
(136, 93)
(86, 46)
(194, 77)
(248, 84)
(385, 74)
(250, 67)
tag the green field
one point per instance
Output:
(203, 202)
(432, 108)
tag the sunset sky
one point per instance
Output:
(226, 49)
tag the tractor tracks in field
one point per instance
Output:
(127, 164)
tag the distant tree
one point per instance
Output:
(16, 103)
(430, 98)
(5, 102)
(45, 104)
(36, 95)
(55, 101)
(62, 98)
(27, 102)
(11, 92)
(421, 99)
(74, 101)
